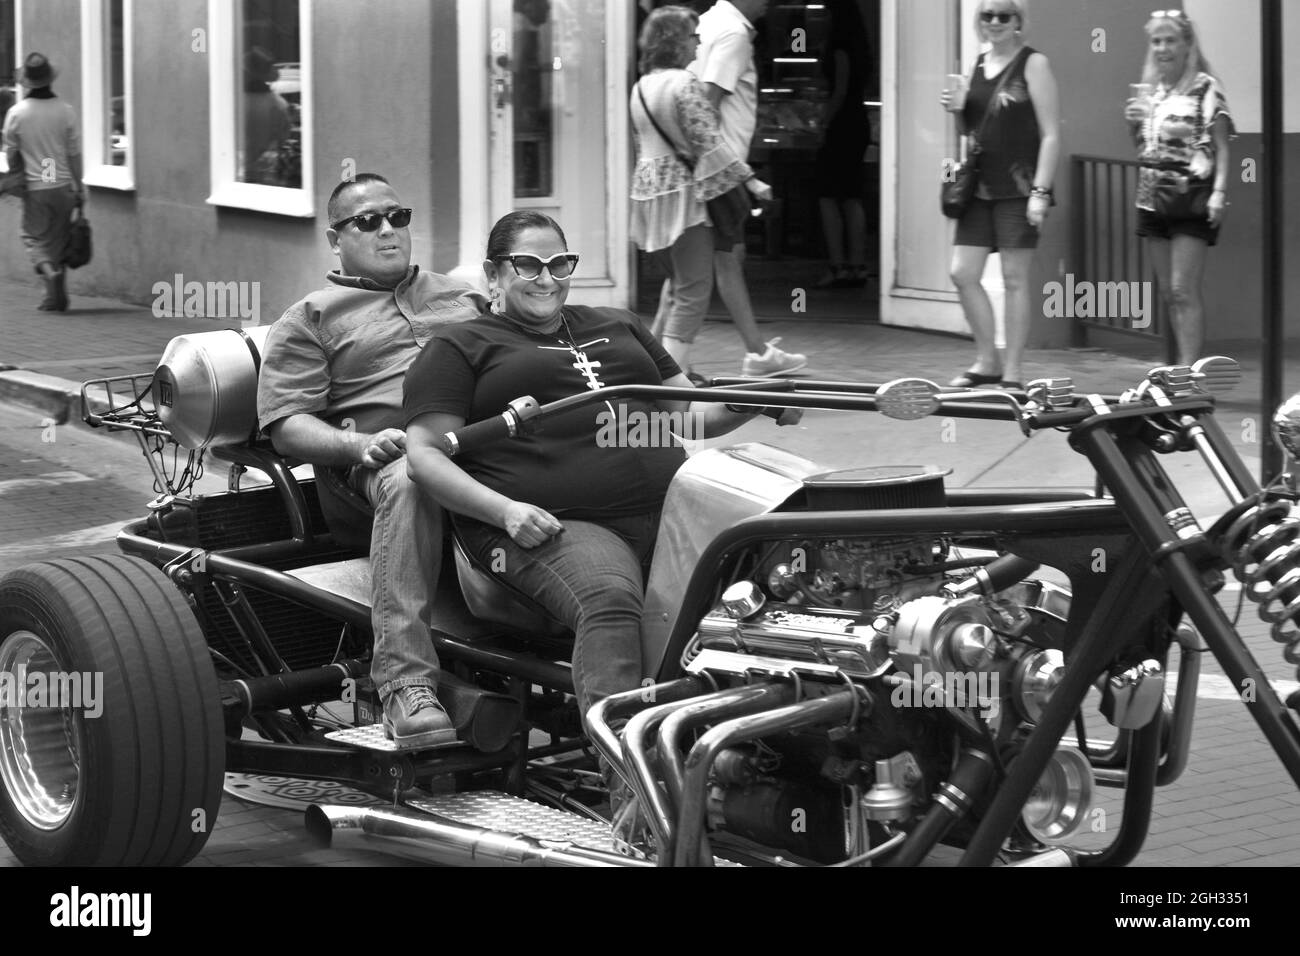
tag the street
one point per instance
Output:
(66, 490)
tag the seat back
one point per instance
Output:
(491, 599)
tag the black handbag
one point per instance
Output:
(956, 192)
(78, 250)
(1182, 200)
(728, 212)
(14, 182)
(959, 183)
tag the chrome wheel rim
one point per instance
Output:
(40, 746)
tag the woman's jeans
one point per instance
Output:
(590, 577)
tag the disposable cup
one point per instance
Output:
(955, 85)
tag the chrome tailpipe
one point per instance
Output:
(438, 840)
(1055, 858)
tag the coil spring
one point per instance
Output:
(1263, 547)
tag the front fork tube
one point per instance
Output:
(1103, 636)
(1144, 493)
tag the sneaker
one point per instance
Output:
(413, 719)
(772, 362)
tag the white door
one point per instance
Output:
(544, 127)
(919, 44)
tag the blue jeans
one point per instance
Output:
(590, 577)
(405, 559)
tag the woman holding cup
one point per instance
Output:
(1180, 122)
(1009, 111)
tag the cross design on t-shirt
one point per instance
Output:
(585, 366)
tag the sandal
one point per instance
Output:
(856, 276)
(834, 278)
(974, 379)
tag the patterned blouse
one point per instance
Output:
(668, 197)
(1180, 129)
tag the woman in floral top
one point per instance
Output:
(1184, 128)
(669, 217)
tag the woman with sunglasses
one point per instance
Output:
(1011, 115)
(1181, 129)
(569, 513)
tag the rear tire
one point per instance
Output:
(128, 776)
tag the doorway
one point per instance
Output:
(544, 127)
(787, 257)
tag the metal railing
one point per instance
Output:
(1105, 248)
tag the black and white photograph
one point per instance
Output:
(637, 434)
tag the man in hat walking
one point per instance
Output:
(40, 133)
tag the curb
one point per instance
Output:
(56, 397)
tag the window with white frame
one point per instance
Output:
(259, 60)
(8, 56)
(106, 94)
(8, 65)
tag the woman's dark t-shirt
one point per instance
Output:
(570, 466)
(1009, 146)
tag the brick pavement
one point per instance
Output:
(1233, 806)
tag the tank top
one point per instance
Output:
(1009, 145)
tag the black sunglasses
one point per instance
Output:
(561, 265)
(369, 222)
(988, 16)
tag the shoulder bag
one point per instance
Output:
(958, 186)
(728, 212)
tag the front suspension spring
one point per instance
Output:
(1263, 548)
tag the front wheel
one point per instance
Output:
(111, 737)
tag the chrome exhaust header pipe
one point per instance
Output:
(432, 839)
(840, 707)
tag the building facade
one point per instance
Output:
(215, 129)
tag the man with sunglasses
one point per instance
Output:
(330, 393)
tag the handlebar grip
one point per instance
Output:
(473, 437)
(515, 420)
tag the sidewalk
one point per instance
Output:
(45, 355)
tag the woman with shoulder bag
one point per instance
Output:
(1180, 122)
(686, 177)
(1012, 113)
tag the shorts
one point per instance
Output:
(996, 224)
(1152, 225)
